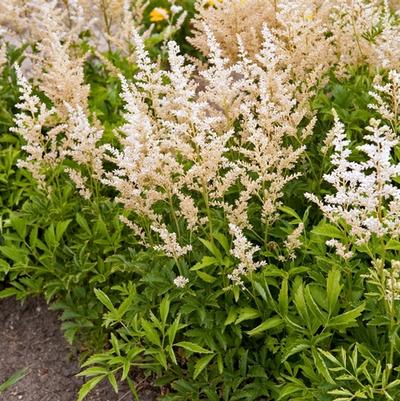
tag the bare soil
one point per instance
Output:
(30, 337)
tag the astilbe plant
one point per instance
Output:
(189, 167)
(63, 130)
(194, 155)
(200, 165)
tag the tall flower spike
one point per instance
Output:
(244, 251)
(188, 150)
(387, 98)
(365, 197)
(30, 122)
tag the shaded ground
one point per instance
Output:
(30, 337)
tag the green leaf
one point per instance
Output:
(171, 353)
(103, 298)
(113, 381)
(340, 392)
(236, 292)
(212, 248)
(220, 364)
(347, 319)
(83, 223)
(93, 371)
(60, 229)
(201, 364)
(151, 333)
(33, 236)
(125, 369)
(125, 305)
(173, 329)
(19, 225)
(206, 261)
(193, 347)
(232, 316)
(88, 386)
(161, 358)
(294, 347)
(321, 366)
(328, 230)
(260, 289)
(283, 298)
(115, 344)
(393, 244)
(206, 277)
(289, 389)
(50, 236)
(247, 314)
(300, 304)
(13, 379)
(333, 288)
(289, 211)
(329, 356)
(164, 309)
(320, 316)
(271, 323)
(223, 240)
(393, 384)
(18, 255)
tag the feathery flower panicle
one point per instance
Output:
(51, 135)
(30, 122)
(303, 33)
(110, 22)
(393, 282)
(340, 248)
(81, 142)
(336, 132)
(366, 198)
(170, 245)
(59, 75)
(353, 26)
(387, 98)
(229, 18)
(176, 138)
(244, 251)
(298, 29)
(31, 21)
(64, 131)
(80, 182)
(313, 35)
(293, 241)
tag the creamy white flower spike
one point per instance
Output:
(366, 197)
(177, 142)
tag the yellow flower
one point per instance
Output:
(309, 15)
(158, 14)
(211, 3)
